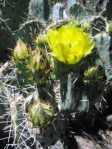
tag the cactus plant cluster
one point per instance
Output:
(17, 21)
(31, 64)
(53, 73)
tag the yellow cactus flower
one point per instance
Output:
(20, 51)
(69, 43)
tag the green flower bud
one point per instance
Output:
(86, 25)
(20, 51)
(110, 28)
(94, 74)
(41, 113)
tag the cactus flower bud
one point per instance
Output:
(86, 26)
(20, 51)
(41, 113)
(110, 28)
(41, 39)
(94, 74)
(35, 61)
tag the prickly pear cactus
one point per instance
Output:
(39, 10)
(98, 24)
(12, 101)
(70, 3)
(57, 73)
(2, 106)
(64, 71)
(6, 36)
(58, 13)
(77, 11)
(14, 12)
(108, 10)
(28, 31)
(103, 44)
